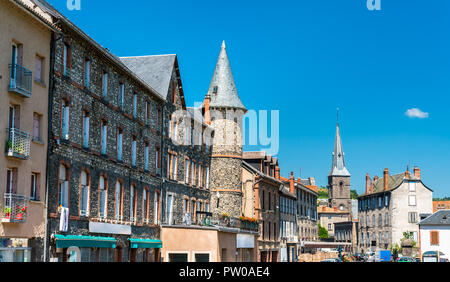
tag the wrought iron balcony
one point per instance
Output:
(18, 144)
(20, 80)
(15, 208)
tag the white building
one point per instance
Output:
(435, 233)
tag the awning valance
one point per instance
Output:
(145, 243)
(66, 241)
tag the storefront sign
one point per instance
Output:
(245, 241)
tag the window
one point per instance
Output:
(412, 200)
(373, 220)
(412, 217)
(102, 209)
(158, 157)
(39, 69)
(135, 101)
(147, 112)
(434, 238)
(412, 186)
(329, 227)
(84, 194)
(386, 219)
(146, 156)
(132, 203)
(104, 137)
(145, 205)
(380, 220)
(37, 127)
(65, 116)
(66, 59)
(85, 129)
(169, 209)
(118, 211)
(386, 200)
(186, 171)
(121, 95)
(119, 144)
(34, 194)
(133, 151)
(156, 207)
(63, 187)
(105, 85)
(380, 202)
(207, 178)
(87, 73)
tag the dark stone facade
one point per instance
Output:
(70, 87)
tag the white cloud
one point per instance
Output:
(416, 113)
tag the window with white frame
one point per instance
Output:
(207, 178)
(105, 85)
(186, 171)
(412, 200)
(104, 137)
(132, 203)
(86, 129)
(84, 197)
(65, 117)
(118, 198)
(102, 209)
(156, 207)
(169, 208)
(412, 186)
(63, 187)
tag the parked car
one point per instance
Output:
(406, 259)
(371, 257)
(360, 257)
(332, 260)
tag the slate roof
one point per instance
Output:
(155, 70)
(222, 89)
(338, 166)
(441, 217)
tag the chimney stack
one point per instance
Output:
(367, 183)
(386, 179)
(417, 172)
(299, 180)
(207, 112)
(407, 174)
(292, 183)
(277, 172)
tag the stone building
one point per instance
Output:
(307, 218)
(106, 135)
(26, 31)
(390, 206)
(261, 200)
(328, 217)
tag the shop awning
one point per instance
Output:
(66, 241)
(145, 243)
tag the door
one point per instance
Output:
(13, 65)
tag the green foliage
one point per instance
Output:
(323, 233)
(322, 193)
(442, 199)
(407, 235)
(353, 194)
(396, 247)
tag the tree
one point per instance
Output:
(353, 194)
(322, 193)
(323, 232)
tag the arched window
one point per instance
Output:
(102, 210)
(118, 196)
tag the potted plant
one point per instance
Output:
(9, 147)
(21, 212)
(7, 212)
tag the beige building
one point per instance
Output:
(390, 206)
(329, 216)
(24, 78)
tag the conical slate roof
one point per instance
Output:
(222, 89)
(338, 168)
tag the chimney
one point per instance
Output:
(292, 183)
(277, 172)
(407, 174)
(386, 179)
(367, 184)
(299, 180)
(207, 112)
(373, 183)
(313, 181)
(417, 172)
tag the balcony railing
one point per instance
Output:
(18, 144)
(206, 219)
(15, 208)
(20, 80)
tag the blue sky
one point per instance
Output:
(306, 58)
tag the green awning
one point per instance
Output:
(145, 243)
(66, 241)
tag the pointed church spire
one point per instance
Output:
(222, 89)
(338, 168)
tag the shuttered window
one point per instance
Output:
(434, 236)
